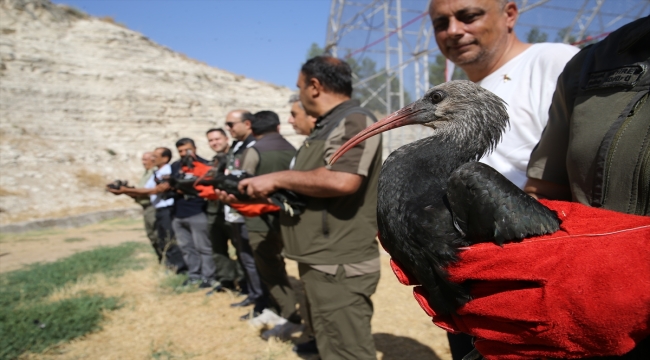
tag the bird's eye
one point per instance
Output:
(437, 97)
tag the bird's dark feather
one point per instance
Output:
(488, 208)
(435, 198)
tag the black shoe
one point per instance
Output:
(246, 302)
(306, 348)
(247, 316)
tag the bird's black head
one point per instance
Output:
(459, 109)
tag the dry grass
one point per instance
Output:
(156, 322)
(90, 179)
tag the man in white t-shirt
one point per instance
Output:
(479, 37)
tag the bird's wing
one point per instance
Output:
(487, 207)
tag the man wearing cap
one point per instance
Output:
(271, 153)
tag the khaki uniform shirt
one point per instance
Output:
(339, 230)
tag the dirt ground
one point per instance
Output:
(158, 323)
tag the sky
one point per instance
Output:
(264, 40)
(268, 40)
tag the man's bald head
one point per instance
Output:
(235, 114)
(148, 160)
(238, 127)
(475, 34)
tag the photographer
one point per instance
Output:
(148, 211)
(155, 188)
(191, 223)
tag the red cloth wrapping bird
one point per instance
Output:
(200, 170)
(579, 292)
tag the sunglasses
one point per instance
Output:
(231, 124)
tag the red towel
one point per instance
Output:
(582, 291)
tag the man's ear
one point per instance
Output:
(315, 88)
(511, 13)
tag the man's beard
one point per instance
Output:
(476, 58)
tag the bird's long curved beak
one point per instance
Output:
(401, 117)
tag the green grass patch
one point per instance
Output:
(174, 283)
(74, 239)
(28, 322)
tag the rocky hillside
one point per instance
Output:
(81, 98)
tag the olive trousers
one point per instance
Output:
(149, 215)
(267, 252)
(340, 310)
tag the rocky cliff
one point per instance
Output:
(81, 98)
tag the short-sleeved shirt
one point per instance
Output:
(156, 200)
(526, 83)
(339, 230)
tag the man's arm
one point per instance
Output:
(250, 160)
(548, 176)
(541, 189)
(133, 192)
(319, 182)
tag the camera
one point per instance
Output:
(117, 184)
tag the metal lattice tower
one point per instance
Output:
(397, 36)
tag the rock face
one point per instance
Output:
(82, 98)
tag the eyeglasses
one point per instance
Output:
(231, 124)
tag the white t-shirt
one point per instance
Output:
(156, 201)
(526, 83)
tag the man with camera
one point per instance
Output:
(148, 211)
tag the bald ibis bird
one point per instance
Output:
(435, 197)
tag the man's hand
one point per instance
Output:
(162, 187)
(259, 186)
(119, 191)
(541, 189)
(226, 198)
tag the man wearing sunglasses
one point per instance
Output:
(238, 123)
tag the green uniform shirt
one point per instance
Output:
(597, 140)
(338, 230)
